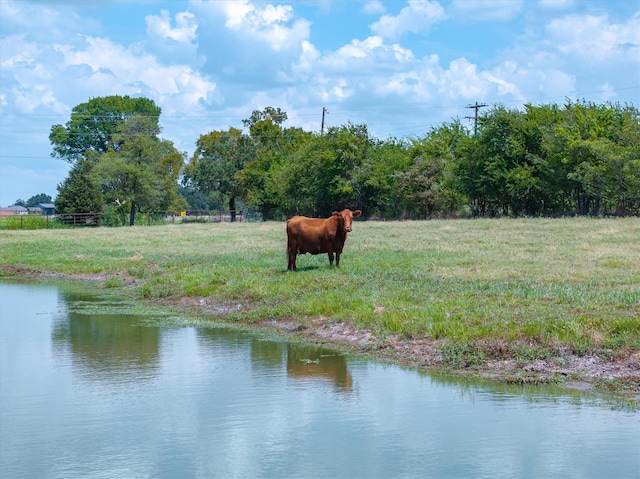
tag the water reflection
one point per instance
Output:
(107, 347)
(117, 347)
(313, 364)
(110, 347)
(302, 363)
(85, 393)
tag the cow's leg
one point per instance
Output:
(337, 258)
(330, 254)
(292, 252)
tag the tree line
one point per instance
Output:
(580, 158)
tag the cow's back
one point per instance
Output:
(304, 229)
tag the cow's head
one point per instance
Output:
(346, 218)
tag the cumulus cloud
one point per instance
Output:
(361, 56)
(417, 17)
(594, 38)
(373, 7)
(130, 72)
(265, 26)
(26, 78)
(183, 32)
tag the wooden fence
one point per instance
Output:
(111, 219)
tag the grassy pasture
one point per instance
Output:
(484, 289)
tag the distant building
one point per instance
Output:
(17, 210)
(48, 209)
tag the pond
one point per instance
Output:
(86, 391)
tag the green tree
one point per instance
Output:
(502, 168)
(262, 176)
(381, 174)
(218, 158)
(37, 199)
(259, 119)
(89, 134)
(140, 169)
(93, 124)
(599, 148)
(78, 193)
(430, 185)
(339, 164)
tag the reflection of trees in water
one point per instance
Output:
(106, 346)
(116, 346)
(302, 362)
(265, 354)
(306, 362)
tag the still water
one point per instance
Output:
(87, 392)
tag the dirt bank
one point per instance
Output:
(620, 374)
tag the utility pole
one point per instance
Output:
(324, 110)
(476, 107)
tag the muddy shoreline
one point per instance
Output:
(620, 375)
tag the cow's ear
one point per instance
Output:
(357, 213)
(335, 213)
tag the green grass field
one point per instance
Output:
(483, 289)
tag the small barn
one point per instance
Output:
(48, 209)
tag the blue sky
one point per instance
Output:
(400, 67)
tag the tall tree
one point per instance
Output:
(429, 184)
(261, 175)
(380, 177)
(140, 169)
(218, 158)
(341, 156)
(93, 124)
(37, 199)
(270, 115)
(78, 193)
(96, 128)
(600, 148)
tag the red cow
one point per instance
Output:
(318, 235)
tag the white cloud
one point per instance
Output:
(25, 78)
(125, 71)
(36, 99)
(373, 7)
(160, 26)
(594, 39)
(464, 81)
(273, 26)
(417, 17)
(608, 92)
(308, 58)
(360, 57)
(17, 51)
